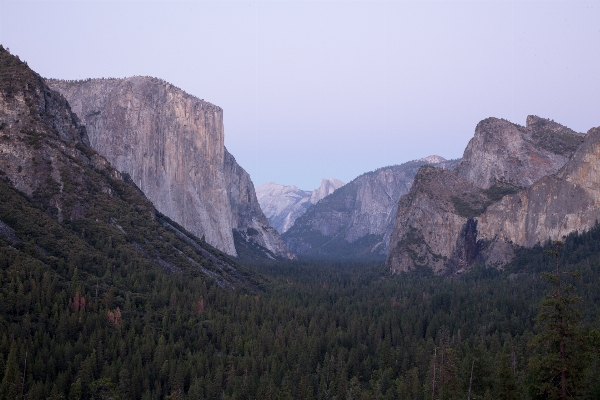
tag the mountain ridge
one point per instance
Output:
(283, 204)
(72, 207)
(357, 219)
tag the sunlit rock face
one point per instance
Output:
(483, 209)
(172, 146)
(284, 204)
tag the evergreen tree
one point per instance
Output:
(559, 364)
(11, 382)
(505, 387)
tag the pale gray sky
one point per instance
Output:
(314, 89)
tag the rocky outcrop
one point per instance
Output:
(251, 227)
(441, 223)
(171, 144)
(430, 219)
(357, 219)
(501, 151)
(284, 204)
(551, 208)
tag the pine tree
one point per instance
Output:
(560, 362)
(11, 382)
(505, 387)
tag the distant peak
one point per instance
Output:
(332, 181)
(328, 186)
(433, 159)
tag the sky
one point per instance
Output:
(332, 89)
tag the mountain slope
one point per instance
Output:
(284, 204)
(75, 210)
(501, 151)
(172, 146)
(357, 219)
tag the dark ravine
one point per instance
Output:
(251, 229)
(172, 146)
(497, 198)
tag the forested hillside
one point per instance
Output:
(133, 331)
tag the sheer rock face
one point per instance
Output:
(428, 223)
(284, 204)
(357, 219)
(505, 152)
(169, 142)
(551, 208)
(449, 229)
(248, 219)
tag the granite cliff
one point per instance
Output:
(171, 144)
(551, 208)
(72, 206)
(440, 221)
(357, 219)
(284, 204)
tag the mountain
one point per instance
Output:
(171, 144)
(440, 220)
(284, 204)
(550, 209)
(64, 208)
(356, 220)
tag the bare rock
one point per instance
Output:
(431, 218)
(512, 154)
(358, 218)
(284, 204)
(249, 222)
(170, 143)
(551, 208)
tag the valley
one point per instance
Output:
(137, 260)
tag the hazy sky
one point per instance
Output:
(314, 89)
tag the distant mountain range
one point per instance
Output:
(284, 204)
(356, 220)
(64, 143)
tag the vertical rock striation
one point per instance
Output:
(170, 143)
